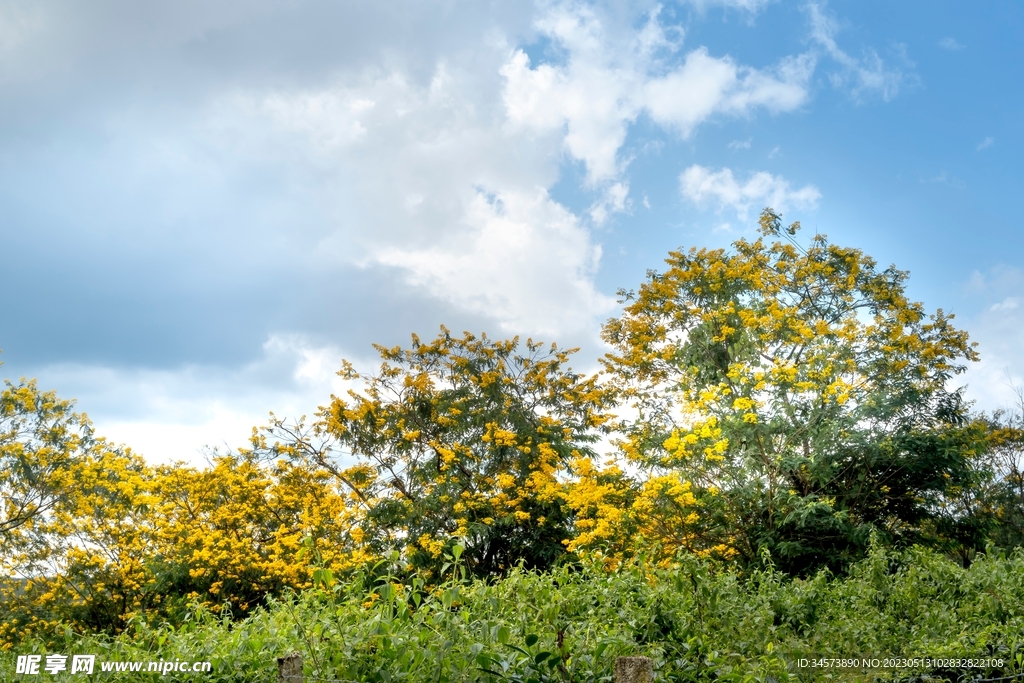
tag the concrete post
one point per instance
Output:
(289, 668)
(634, 670)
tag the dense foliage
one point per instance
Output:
(697, 621)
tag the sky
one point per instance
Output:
(205, 207)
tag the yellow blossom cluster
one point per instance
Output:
(747, 368)
(91, 535)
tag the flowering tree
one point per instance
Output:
(795, 393)
(73, 538)
(462, 439)
(41, 437)
(92, 535)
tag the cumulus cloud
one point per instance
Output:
(522, 258)
(867, 74)
(706, 85)
(704, 186)
(451, 170)
(441, 191)
(606, 83)
(341, 171)
(295, 171)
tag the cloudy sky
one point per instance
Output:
(205, 206)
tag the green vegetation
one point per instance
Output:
(697, 621)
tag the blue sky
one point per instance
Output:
(204, 207)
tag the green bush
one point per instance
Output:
(697, 622)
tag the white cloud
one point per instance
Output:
(987, 142)
(446, 177)
(615, 199)
(868, 74)
(702, 186)
(705, 85)
(950, 44)
(1008, 304)
(430, 181)
(740, 144)
(999, 330)
(607, 82)
(177, 414)
(521, 258)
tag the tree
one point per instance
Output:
(73, 533)
(990, 507)
(460, 439)
(91, 535)
(1006, 463)
(798, 392)
(41, 437)
(239, 531)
